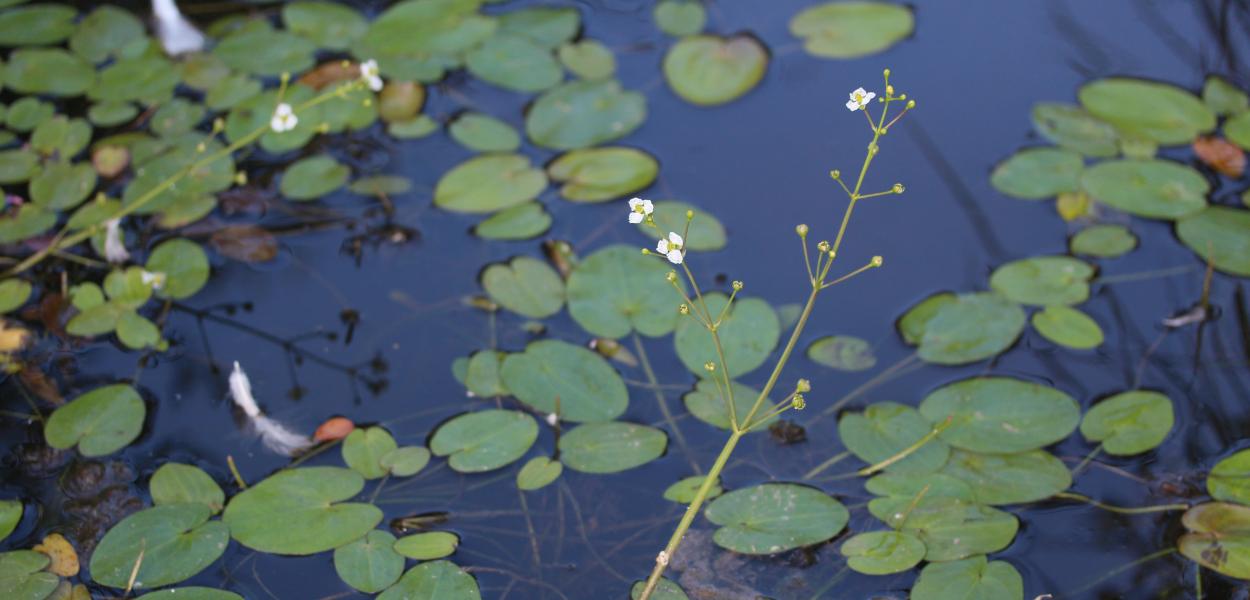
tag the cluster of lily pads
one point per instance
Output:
(114, 148)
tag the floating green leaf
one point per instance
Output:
(954, 330)
(1224, 98)
(482, 374)
(1156, 189)
(381, 185)
(664, 590)
(485, 440)
(313, 177)
(427, 546)
(10, 516)
(414, 128)
(484, 133)
(369, 564)
(600, 174)
(363, 450)
(1068, 326)
(147, 79)
(300, 511)
(706, 232)
(852, 29)
(969, 579)
(684, 491)
(99, 422)
(17, 166)
(547, 26)
(1044, 280)
(707, 70)
(29, 221)
(62, 185)
(1229, 479)
(617, 290)
(175, 541)
(514, 62)
(526, 286)
(105, 32)
(405, 461)
(1129, 422)
(13, 294)
(191, 593)
(611, 447)
(489, 183)
(908, 487)
(22, 576)
(842, 352)
(588, 59)
(1103, 241)
(882, 552)
(1157, 111)
(176, 483)
(36, 25)
(1220, 234)
(1009, 478)
(884, 430)
(951, 528)
(521, 222)
(587, 387)
(328, 24)
(1001, 415)
(28, 112)
(1071, 127)
(419, 40)
(1035, 173)
(266, 53)
(49, 71)
(438, 580)
(775, 517)
(184, 265)
(579, 114)
(538, 473)
(679, 18)
(1218, 538)
(706, 404)
(748, 334)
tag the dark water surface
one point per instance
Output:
(761, 165)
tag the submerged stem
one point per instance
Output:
(1124, 510)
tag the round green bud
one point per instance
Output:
(801, 229)
(823, 246)
(898, 188)
(671, 277)
(683, 309)
(803, 386)
(836, 174)
(798, 402)
(877, 261)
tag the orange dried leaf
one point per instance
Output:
(335, 428)
(247, 243)
(330, 73)
(64, 558)
(1221, 155)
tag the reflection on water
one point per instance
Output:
(365, 320)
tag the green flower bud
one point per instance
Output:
(798, 402)
(737, 286)
(709, 366)
(801, 229)
(803, 386)
(877, 261)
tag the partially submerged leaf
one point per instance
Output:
(484, 440)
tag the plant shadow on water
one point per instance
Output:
(356, 306)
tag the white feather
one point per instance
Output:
(177, 34)
(276, 436)
(114, 250)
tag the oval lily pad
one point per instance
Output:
(265, 52)
(1044, 280)
(611, 447)
(679, 18)
(99, 422)
(882, 552)
(708, 70)
(548, 26)
(147, 79)
(1218, 538)
(526, 286)
(587, 387)
(1035, 173)
(405, 461)
(538, 473)
(184, 265)
(852, 29)
(775, 517)
(328, 24)
(36, 25)
(685, 491)
(588, 59)
(427, 546)
(13, 294)
(1103, 241)
(22, 575)
(706, 232)
(748, 334)
(969, 578)
(618, 290)
(363, 450)
(1157, 111)
(599, 174)
(49, 71)
(579, 114)
(1155, 189)
(176, 483)
(191, 593)
(1129, 422)
(1068, 327)
(10, 515)
(300, 512)
(1001, 415)
(1071, 127)
(1220, 234)
(1009, 478)
(951, 528)
(842, 352)
(1223, 97)
(706, 404)
(521, 222)
(514, 62)
(885, 429)
(484, 133)
(369, 564)
(1229, 479)
(961, 329)
(62, 185)
(481, 374)
(438, 580)
(489, 183)
(175, 541)
(313, 177)
(485, 440)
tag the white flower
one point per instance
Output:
(369, 73)
(671, 247)
(553, 419)
(114, 250)
(177, 34)
(639, 209)
(284, 118)
(156, 280)
(859, 99)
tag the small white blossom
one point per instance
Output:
(284, 118)
(671, 247)
(859, 99)
(639, 209)
(156, 280)
(553, 419)
(114, 250)
(370, 74)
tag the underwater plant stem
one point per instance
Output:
(234, 470)
(645, 362)
(1085, 461)
(1122, 568)
(1124, 510)
(820, 468)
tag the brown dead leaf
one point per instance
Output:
(335, 428)
(41, 385)
(1221, 155)
(247, 243)
(12, 337)
(110, 161)
(64, 558)
(330, 73)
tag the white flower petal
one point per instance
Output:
(634, 202)
(647, 207)
(662, 247)
(858, 93)
(852, 105)
(635, 217)
(675, 239)
(114, 250)
(869, 96)
(674, 257)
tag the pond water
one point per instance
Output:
(759, 164)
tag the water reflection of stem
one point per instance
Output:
(1121, 569)
(660, 400)
(1145, 275)
(894, 370)
(529, 528)
(1085, 461)
(378, 489)
(1124, 510)
(820, 468)
(837, 577)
